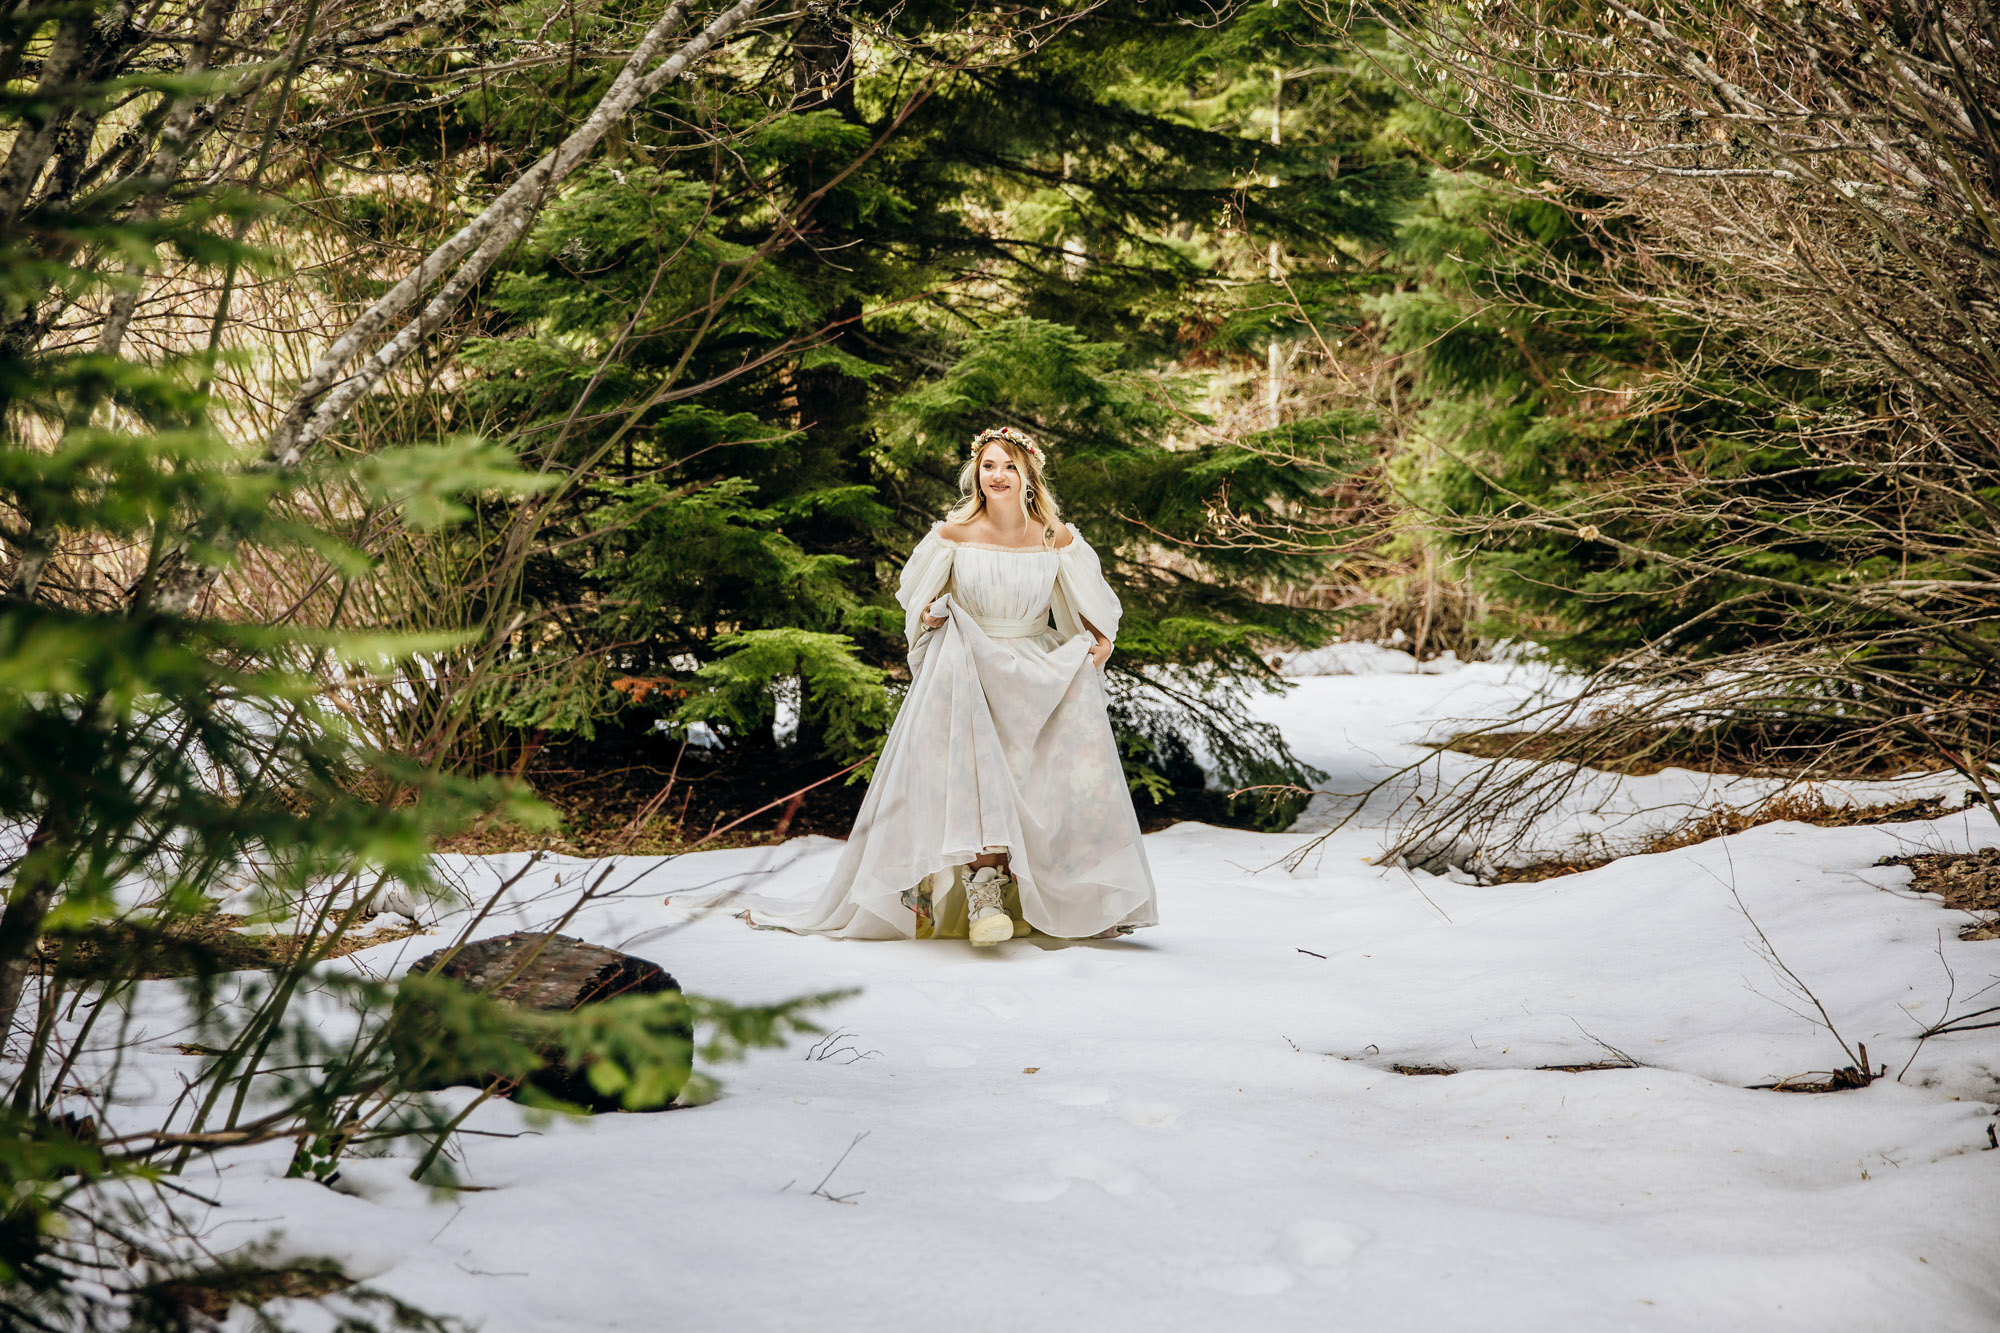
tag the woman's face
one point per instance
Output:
(999, 478)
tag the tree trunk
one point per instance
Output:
(86, 46)
(831, 405)
(335, 384)
(823, 61)
(27, 906)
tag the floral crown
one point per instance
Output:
(1018, 438)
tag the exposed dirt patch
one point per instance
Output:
(1541, 870)
(640, 794)
(1831, 1080)
(1618, 746)
(644, 796)
(1808, 807)
(1441, 1070)
(1840, 1080)
(204, 945)
(1968, 881)
(210, 1295)
(1590, 1068)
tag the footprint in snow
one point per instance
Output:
(1091, 964)
(1322, 1248)
(1112, 1177)
(1004, 1002)
(1031, 1191)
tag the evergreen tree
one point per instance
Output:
(153, 760)
(1541, 397)
(1693, 413)
(761, 368)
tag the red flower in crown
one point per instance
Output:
(1018, 438)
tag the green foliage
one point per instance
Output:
(759, 383)
(638, 1050)
(152, 761)
(684, 565)
(1545, 401)
(846, 702)
(423, 482)
(661, 468)
(1197, 611)
(1248, 773)
(1075, 390)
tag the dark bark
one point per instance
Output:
(35, 887)
(823, 61)
(341, 376)
(86, 48)
(831, 406)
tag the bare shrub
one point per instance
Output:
(1802, 202)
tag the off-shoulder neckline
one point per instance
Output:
(937, 530)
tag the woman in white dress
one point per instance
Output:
(999, 804)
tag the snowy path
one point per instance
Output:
(1198, 1129)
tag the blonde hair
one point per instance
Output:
(1038, 502)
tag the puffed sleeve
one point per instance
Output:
(925, 575)
(1081, 594)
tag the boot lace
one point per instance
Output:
(984, 894)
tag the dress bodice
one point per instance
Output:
(998, 583)
(1008, 586)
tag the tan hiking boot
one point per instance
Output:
(986, 913)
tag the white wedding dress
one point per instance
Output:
(1002, 741)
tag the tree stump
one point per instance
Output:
(563, 974)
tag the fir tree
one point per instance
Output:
(154, 757)
(1072, 238)
(1663, 425)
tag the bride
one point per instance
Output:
(999, 804)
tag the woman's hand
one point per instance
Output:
(930, 621)
(1100, 652)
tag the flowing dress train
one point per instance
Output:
(1002, 741)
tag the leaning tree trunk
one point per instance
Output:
(335, 383)
(341, 376)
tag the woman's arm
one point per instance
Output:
(1087, 599)
(925, 575)
(1100, 651)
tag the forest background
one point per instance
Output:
(500, 426)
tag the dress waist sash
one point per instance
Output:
(1026, 627)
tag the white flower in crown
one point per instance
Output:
(1012, 436)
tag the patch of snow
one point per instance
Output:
(1198, 1128)
(785, 695)
(1362, 731)
(699, 734)
(1361, 659)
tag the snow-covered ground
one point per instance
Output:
(1199, 1128)
(1361, 730)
